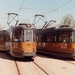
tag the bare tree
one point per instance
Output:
(68, 20)
(1, 27)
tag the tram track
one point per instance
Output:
(17, 68)
(29, 64)
(40, 68)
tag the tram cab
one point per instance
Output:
(23, 42)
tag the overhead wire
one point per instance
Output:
(58, 7)
(3, 18)
(17, 10)
(45, 12)
(21, 6)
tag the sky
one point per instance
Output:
(27, 9)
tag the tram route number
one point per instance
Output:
(28, 44)
(15, 45)
(63, 45)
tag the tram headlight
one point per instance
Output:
(23, 49)
(33, 49)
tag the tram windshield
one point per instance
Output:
(24, 35)
(28, 35)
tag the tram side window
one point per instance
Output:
(1, 38)
(44, 38)
(7, 38)
(73, 37)
(55, 39)
(17, 36)
(64, 38)
(4, 38)
(34, 35)
(39, 38)
(49, 38)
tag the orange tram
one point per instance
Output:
(19, 41)
(59, 42)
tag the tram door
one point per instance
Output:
(2, 43)
(16, 41)
(4, 39)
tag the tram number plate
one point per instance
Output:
(28, 45)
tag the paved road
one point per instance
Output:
(7, 65)
(47, 66)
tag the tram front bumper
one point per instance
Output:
(29, 54)
(23, 54)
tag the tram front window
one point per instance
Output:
(16, 36)
(23, 35)
(28, 35)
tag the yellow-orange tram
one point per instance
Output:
(23, 41)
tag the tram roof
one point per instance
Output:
(65, 29)
(43, 31)
(4, 32)
(62, 29)
(23, 26)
